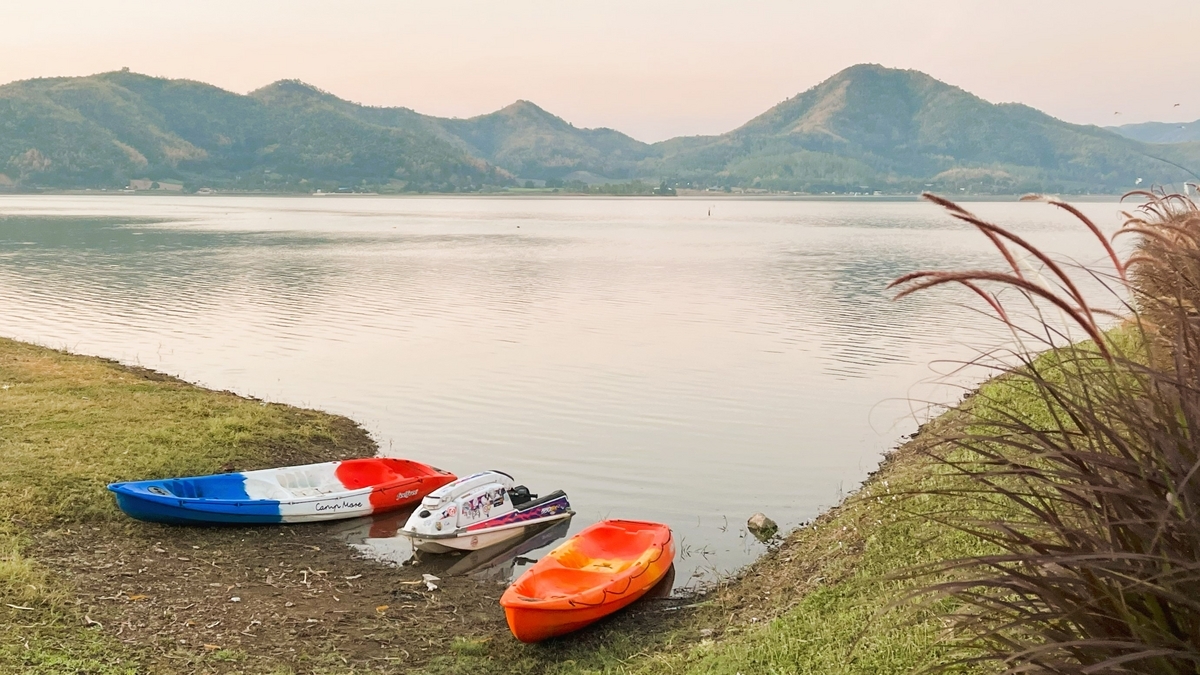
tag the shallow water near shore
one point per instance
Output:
(682, 360)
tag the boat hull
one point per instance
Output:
(314, 492)
(599, 571)
(475, 540)
(535, 625)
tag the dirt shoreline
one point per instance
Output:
(241, 599)
(183, 596)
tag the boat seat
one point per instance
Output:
(307, 483)
(361, 473)
(609, 542)
(538, 502)
(560, 583)
(256, 488)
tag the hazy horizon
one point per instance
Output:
(656, 72)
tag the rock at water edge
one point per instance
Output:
(762, 527)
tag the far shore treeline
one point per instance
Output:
(867, 129)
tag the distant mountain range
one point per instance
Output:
(1161, 132)
(867, 128)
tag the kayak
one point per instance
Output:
(293, 494)
(479, 511)
(602, 569)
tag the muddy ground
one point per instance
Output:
(226, 600)
(234, 599)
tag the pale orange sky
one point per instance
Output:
(650, 69)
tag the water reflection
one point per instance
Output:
(378, 538)
(651, 360)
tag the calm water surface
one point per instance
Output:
(651, 359)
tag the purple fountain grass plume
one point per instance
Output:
(1088, 492)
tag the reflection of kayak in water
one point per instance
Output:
(378, 538)
(386, 527)
(375, 537)
(497, 562)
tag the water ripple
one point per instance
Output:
(652, 360)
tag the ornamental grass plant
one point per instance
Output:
(1089, 500)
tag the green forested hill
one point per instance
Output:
(1161, 132)
(529, 141)
(106, 129)
(866, 128)
(887, 129)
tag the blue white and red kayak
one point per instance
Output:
(293, 494)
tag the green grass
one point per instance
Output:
(69, 425)
(848, 626)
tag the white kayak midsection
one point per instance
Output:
(344, 505)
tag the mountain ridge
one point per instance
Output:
(866, 127)
(1160, 132)
(905, 130)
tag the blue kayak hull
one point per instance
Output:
(160, 511)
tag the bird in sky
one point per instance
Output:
(1175, 106)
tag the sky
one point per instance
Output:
(652, 69)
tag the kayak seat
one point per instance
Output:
(560, 582)
(614, 542)
(221, 486)
(575, 559)
(361, 473)
(188, 489)
(308, 483)
(257, 488)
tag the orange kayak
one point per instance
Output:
(591, 575)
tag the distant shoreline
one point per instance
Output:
(683, 195)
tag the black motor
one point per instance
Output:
(520, 495)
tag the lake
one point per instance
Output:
(685, 360)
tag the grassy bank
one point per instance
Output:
(71, 424)
(821, 602)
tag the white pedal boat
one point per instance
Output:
(480, 511)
